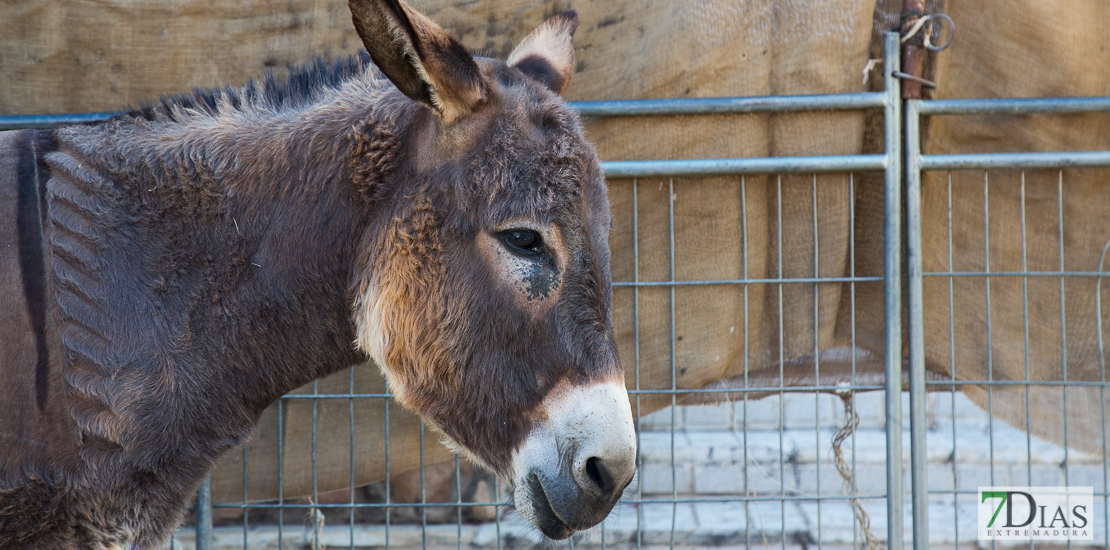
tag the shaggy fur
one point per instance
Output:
(182, 266)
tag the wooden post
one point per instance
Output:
(913, 50)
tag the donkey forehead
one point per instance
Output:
(527, 155)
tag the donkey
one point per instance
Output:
(167, 274)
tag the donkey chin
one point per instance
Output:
(573, 466)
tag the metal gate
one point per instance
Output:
(654, 514)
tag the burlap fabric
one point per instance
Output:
(1010, 48)
(765, 227)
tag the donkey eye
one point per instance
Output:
(523, 241)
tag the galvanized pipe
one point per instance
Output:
(204, 514)
(715, 105)
(892, 289)
(1057, 105)
(606, 108)
(19, 122)
(717, 167)
(1010, 161)
(915, 318)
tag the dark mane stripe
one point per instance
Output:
(32, 176)
(303, 86)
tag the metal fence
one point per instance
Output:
(650, 507)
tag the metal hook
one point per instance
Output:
(951, 33)
(926, 83)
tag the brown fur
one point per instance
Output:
(196, 259)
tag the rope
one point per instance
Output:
(871, 64)
(920, 23)
(850, 424)
(917, 27)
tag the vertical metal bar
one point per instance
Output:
(458, 501)
(204, 514)
(919, 461)
(388, 475)
(747, 480)
(636, 355)
(602, 536)
(674, 367)
(817, 352)
(315, 482)
(1102, 373)
(1102, 377)
(782, 367)
(990, 338)
(246, 510)
(952, 372)
(351, 465)
(423, 495)
(1025, 327)
(1063, 325)
(852, 324)
(892, 290)
(281, 471)
(497, 514)
(1063, 339)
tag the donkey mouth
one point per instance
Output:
(546, 520)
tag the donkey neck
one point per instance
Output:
(197, 269)
(213, 257)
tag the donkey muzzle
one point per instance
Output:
(574, 465)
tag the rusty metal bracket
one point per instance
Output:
(925, 83)
(916, 29)
(913, 46)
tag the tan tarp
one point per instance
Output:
(98, 55)
(1023, 49)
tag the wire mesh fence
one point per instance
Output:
(1008, 250)
(768, 475)
(1003, 350)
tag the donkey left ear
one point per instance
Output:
(425, 62)
(547, 55)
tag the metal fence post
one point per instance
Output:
(204, 514)
(915, 318)
(892, 288)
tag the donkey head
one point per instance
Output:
(486, 296)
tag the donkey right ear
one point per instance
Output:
(425, 62)
(547, 54)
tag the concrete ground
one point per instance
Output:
(762, 475)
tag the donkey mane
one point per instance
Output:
(305, 84)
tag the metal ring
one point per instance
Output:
(951, 32)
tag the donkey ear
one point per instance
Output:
(425, 62)
(547, 55)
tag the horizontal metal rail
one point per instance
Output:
(829, 388)
(715, 105)
(1030, 274)
(19, 122)
(762, 165)
(686, 500)
(768, 280)
(1058, 105)
(1010, 161)
(629, 107)
(1021, 383)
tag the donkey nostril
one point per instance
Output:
(599, 474)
